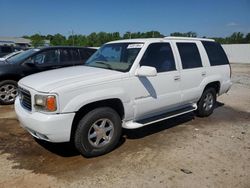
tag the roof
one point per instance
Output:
(188, 38)
(70, 47)
(19, 40)
(142, 40)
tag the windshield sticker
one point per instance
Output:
(134, 46)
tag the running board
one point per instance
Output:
(147, 121)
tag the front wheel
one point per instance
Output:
(8, 92)
(206, 103)
(98, 132)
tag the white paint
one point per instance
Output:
(142, 97)
(237, 53)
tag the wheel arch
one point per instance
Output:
(114, 103)
(215, 84)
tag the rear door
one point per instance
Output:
(192, 71)
(69, 57)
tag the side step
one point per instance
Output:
(161, 117)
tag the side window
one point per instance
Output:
(75, 56)
(84, 54)
(46, 58)
(65, 55)
(190, 56)
(215, 52)
(160, 56)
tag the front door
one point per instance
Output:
(161, 93)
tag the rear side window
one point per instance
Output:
(190, 56)
(75, 56)
(215, 52)
(160, 56)
(69, 55)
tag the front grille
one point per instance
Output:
(25, 98)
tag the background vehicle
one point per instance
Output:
(4, 50)
(128, 83)
(4, 58)
(37, 60)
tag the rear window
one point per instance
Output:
(215, 52)
(190, 56)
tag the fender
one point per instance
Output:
(81, 100)
(209, 79)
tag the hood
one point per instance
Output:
(50, 80)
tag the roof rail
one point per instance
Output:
(188, 38)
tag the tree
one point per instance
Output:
(37, 40)
(188, 34)
(236, 37)
(58, 39)
(247, 38)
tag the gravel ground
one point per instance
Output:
(181, 152)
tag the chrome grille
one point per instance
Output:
(25, 98)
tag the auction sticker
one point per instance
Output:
(134, 46)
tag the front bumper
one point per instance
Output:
(52, 128)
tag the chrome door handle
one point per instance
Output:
(177, 78)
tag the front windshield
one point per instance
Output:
(115, 56)
(22, 56)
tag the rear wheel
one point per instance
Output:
(206, 103)
(8, 92)
(98, 132)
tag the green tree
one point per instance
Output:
(236, 37)
(37, 40)
(247, 38)
(58, 40)
(188, 34)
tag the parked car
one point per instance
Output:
(4, 58)
(37, 60)
(4, 50)
(128, 83)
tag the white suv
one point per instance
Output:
(126, 83)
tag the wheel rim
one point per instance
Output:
(208, 102)
(101, 133)
(8, 93)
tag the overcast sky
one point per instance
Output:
(206, 17)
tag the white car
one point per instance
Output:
(126, 83)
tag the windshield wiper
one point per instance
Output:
(103, 63)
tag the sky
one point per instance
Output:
(211, 18)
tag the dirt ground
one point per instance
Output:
(182, 152)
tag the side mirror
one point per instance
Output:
(146, 71)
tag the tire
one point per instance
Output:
(8, 92)
(98, 132)
(207, 102)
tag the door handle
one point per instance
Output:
(176, 78)
(203, 74)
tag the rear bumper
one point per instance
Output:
(52, 128)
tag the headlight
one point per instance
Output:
(46, 103)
